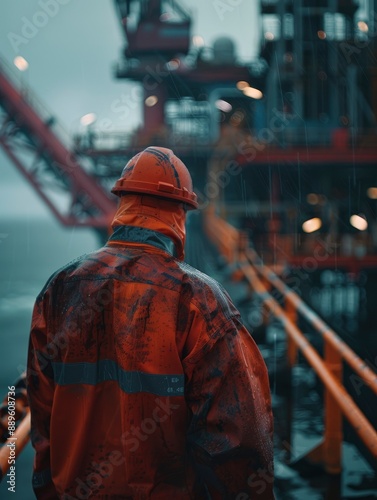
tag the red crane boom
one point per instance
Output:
(47, 163)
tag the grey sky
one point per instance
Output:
(71, 56)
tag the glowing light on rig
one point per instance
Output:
(88, 119)
(173, 64)
(269, 36)
(21, 63)
(252, 92)
(198, 41)
(311, 225)
(312, 199)
(223, 105)
(358, 222)
(372, 193)
(321, 34)
(242, 85)
(316, 199)
(151, 101)
(362, 25)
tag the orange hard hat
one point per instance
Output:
(157, 171)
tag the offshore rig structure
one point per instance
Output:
(283, 154)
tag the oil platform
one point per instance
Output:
(283, 154)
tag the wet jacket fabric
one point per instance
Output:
(142, 381)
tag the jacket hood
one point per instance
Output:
(164, 216)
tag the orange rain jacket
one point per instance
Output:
(142, 381)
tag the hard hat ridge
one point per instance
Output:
(159, 172)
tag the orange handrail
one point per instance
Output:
(20, 439)
(357, 364)
(329, 369)
(349, 408)
(226, 235)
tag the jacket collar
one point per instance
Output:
(145, 236)
(165, 217)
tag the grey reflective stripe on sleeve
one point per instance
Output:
(130, 382)
(42, 478)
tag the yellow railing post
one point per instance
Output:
(265, 310)
(291, 312)
(243, 242)
(332, 446)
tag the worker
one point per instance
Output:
(142, 380)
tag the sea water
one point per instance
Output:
(30, 251)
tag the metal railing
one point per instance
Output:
(14, 410)
(14, 445)
(233, 245)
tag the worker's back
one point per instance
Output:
(121, 320)
(142, 381)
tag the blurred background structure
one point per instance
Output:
(281, 144)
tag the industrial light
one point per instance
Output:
(173, 64)
(311, 225)
(223, 105)
(321, 34)
(198, 41)
(252, 92)
(359, 222)
(269, 36)
(242, 85)
(372, 193)
(88, 119)
(362, 25)
(21, 63)
(151, 101)
(312, 199)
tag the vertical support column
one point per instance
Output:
(333, 416)
(298, 51)
(274, 223)
(265, 313)
(243, 243)
(335, 80)
(353, 110)
(291, 312)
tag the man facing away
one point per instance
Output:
(143, 382)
